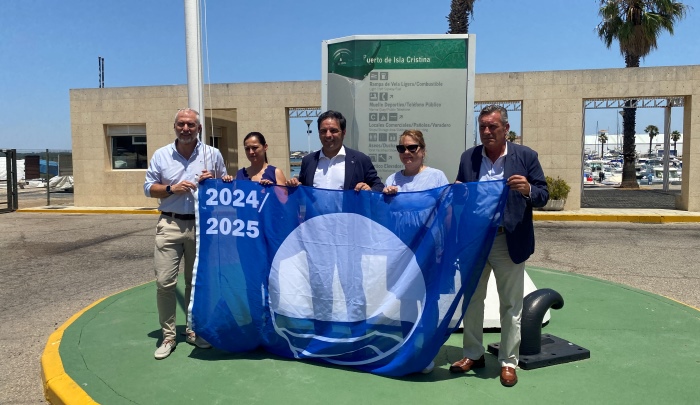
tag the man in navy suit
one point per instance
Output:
(497, 159)
(335, 166)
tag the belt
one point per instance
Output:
(184, 217)
(500, 230)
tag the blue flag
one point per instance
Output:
(359, 279)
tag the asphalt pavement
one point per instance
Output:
(646, 197)
(55, 263)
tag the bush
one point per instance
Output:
(558, 188)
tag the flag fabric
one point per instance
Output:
(358, 279)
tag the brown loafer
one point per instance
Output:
(508, 376)
(466, 364)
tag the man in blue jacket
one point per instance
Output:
(336, 167)
(497, 159)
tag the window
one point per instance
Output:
(128, 146)
(215, 137)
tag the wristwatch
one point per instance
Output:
(168, 190)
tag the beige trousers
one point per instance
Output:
(509, 283)
(175, 238)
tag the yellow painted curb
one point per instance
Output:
(682, 303)
(84, 211)
(647, 219)
(667, 219)
(568, 217)
(59, 388)
(537, 215)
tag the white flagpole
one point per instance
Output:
(193, 47)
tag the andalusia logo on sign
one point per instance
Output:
(342, 57)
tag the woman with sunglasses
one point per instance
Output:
(415, 176)
(408, 220)
(259, 170)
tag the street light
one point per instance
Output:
(308, 132)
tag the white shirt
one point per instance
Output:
(425, 180)
(169, 167)
(495, 170)
(330, 172)
(492, 170)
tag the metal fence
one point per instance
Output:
(30, 178)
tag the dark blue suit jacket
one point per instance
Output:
(358, 168)
(517, 219)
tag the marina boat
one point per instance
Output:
(602, 171)
(649, 170)
(611, 176)
(655, 175)
(594, 165)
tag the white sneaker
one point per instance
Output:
(198, 341)
(165, 349)
(428, 369)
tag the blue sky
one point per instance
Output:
(50, 47)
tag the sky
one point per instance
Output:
(50, 47)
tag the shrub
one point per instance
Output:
(558, 188)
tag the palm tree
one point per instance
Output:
(636, 25)
(512, 136)
(675, 136)
(652, 130)
(602, 138)
(460, 11)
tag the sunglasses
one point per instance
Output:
(411, 148)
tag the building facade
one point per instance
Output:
(115, 131)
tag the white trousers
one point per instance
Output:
(509, 283)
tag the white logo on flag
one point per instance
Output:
(345, 267)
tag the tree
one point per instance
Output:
(652, 130)
(512, 136)
(636, 25)
(460, 11)
(602, 138)
(675, 136)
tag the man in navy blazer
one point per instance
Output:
(335, 166)
(497, 159)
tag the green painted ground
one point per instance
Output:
(644, 349)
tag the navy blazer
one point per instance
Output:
(358, 168)
(517, 219)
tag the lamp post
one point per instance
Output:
(308, 132)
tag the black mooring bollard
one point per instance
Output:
(536, 351)
(535, 305)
